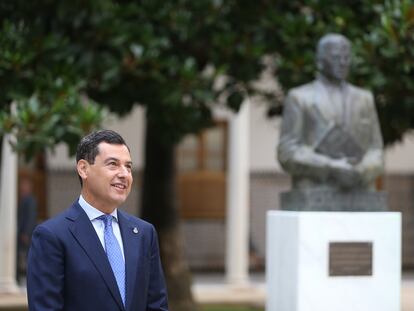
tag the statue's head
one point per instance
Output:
(333, 57)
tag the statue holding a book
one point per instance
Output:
(330, 141)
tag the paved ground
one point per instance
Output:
(407, 292)
(211, 288)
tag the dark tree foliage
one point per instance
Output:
(39, 72)
(166, 54)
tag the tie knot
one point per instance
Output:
(107, 219)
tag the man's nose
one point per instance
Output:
(344, 60)
(123, 171)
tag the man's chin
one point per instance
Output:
(119, 199)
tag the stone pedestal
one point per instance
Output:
(305, 274)
(333, 200)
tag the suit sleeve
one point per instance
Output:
(372, 164)
(295, 156)
(157, 292)
(45, 272)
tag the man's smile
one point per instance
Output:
(119, 186)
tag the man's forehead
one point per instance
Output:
(105, 145)
(337, 44)
(113, 150)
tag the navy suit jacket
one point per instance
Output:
(68, 268)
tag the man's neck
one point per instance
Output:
(330, 82)
(94, 204)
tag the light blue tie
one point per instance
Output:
(113, 251)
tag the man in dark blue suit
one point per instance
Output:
(94, 256)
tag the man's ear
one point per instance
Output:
(82, 168)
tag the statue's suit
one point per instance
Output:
(68, 268)
(308, 111)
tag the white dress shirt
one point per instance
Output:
(99, 225)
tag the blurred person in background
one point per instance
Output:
(26, 221)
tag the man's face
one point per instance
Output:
(107, 182)
(336, 60)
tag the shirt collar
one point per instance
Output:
(93, 212)
(331, 84)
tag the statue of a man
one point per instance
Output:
(330, 136)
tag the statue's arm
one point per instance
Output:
(294, 155)
(300, 159)
(372, 164)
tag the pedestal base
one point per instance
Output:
(298, 257)
(333, 200)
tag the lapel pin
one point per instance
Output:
(135, 230)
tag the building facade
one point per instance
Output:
(202, 162)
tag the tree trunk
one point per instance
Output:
(159, 207)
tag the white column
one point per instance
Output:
(8, 219)
(237, 220)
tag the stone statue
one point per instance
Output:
(330, 139)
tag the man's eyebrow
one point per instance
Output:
(116, 160)
(111, 159)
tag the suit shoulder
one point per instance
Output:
(55, 222)
(58, 222)
(302, 91)
(360, 91)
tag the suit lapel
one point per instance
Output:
(131, 238)
(323, 102)
(349, 107)
(83, 231)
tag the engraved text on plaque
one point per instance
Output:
(350, 258)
